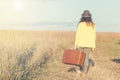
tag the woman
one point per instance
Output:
(85, 38)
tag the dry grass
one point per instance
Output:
(37, 55)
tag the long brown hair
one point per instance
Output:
(88, 21)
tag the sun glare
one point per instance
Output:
(18, 6)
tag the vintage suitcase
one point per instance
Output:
(73, 57)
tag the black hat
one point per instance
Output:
(86, 13)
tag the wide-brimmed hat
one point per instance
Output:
(86, 13)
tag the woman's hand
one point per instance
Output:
(75, 47)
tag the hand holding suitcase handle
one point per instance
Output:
(75, 47)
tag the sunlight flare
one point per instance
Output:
(18, 6)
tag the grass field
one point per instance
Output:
(37, 55)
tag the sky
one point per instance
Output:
(58, 14)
